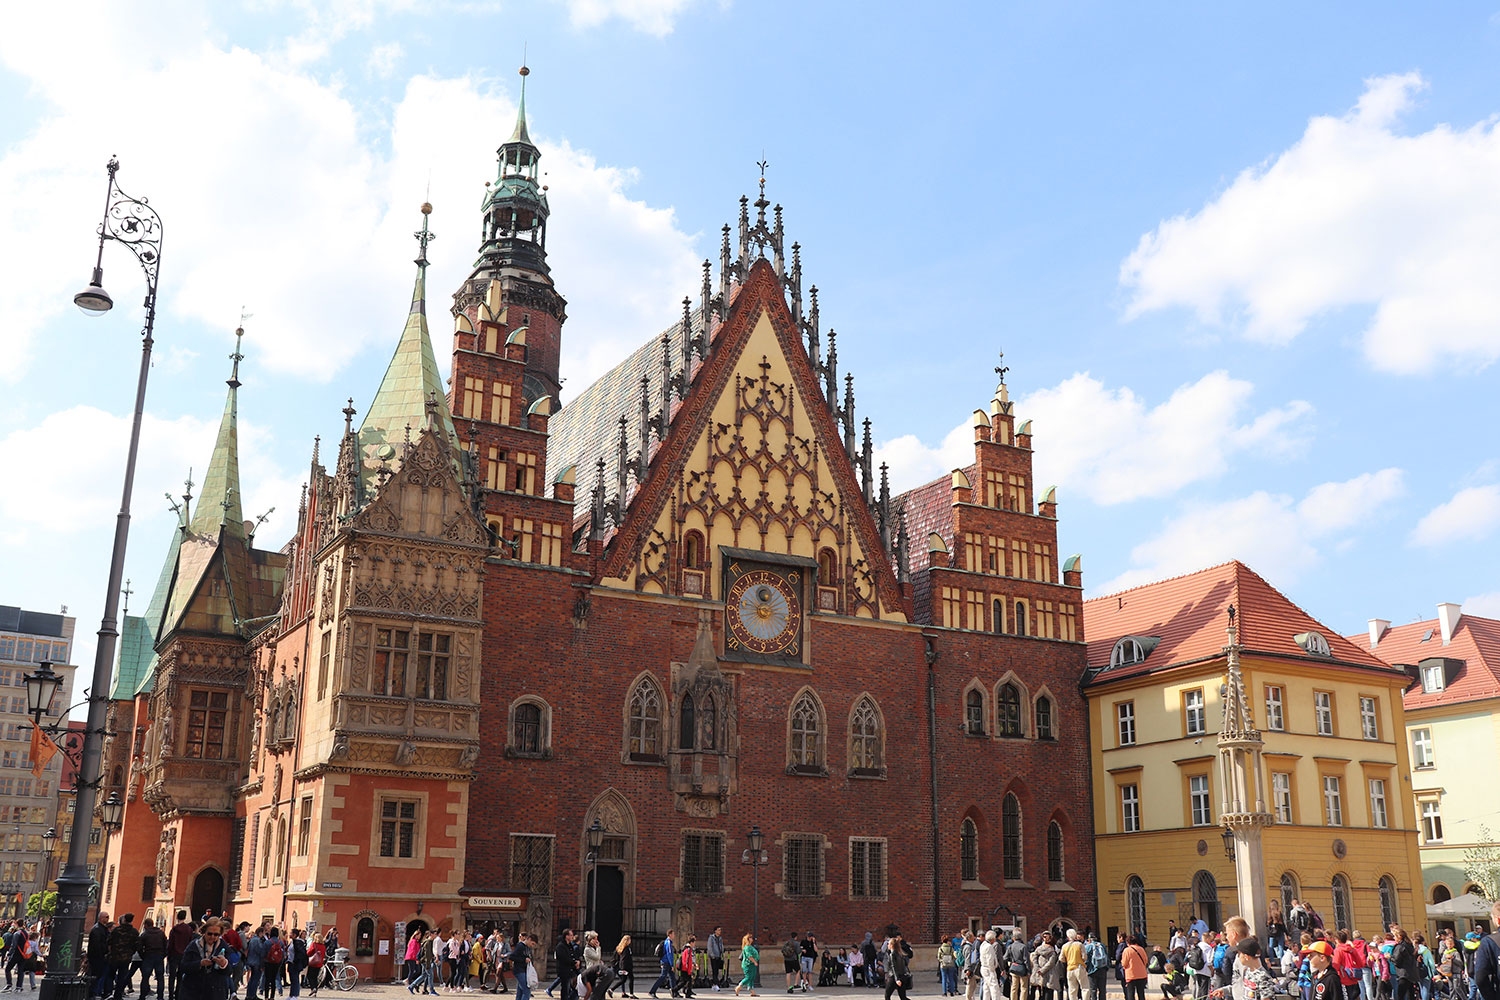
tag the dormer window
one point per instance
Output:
(1432, 677)
(1131, 649)
(1313, 643)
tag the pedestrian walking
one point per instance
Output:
(749, 966)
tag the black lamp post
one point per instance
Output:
(756, 859)
(596, 840)
(133, 222)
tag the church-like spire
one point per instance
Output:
(515, 205)
(219, 504)
(412, 378)
(521, 135)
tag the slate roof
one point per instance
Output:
(588, 428)
(1476, 641)
(1189, 615)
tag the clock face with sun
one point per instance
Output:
(763, 608)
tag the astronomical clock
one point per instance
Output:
(763, 609)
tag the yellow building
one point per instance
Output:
(1452, 721)
(1335, 769)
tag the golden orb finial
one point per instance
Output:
(426, 208)
(524, 71)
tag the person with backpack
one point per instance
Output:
(122, 951)
(152, 946)
(666, 954)
(687, 964)
(1095, 966)
(1346, 965)
(271, 973)
(1196, 967)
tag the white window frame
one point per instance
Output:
(1423, 754)
(1323, 712)
(1369, 717)
(1275, 713)
(1197, 714)
(1130, 808)
(1333, 800)
(1201, 800)
(1379, 819)
(1281, 795)
(1432, 822)
(1432, 678)
(1125, 722)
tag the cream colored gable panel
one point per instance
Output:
(759, 478)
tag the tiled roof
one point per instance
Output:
(1189, 614)
(929, 508)
(1476, 641)
(588, 427)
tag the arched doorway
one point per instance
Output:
(614, 869)
(1206, 899)
(208, 893)
(1441, 894)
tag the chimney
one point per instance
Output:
(1448, 616)
(1377, 629)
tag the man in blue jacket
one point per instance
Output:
(255, 959)
(668, 955)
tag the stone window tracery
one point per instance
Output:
(865, 738)
(643, 729)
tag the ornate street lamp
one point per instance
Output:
(111, 812)
(41, 688)
(756, 859)
(596, 840)
(1228, 836)
(49, 839)
(133, 222)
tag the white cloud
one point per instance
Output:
(383, 59)
(273, 196)
(1274, 533)
(1110, 446)
(1472, 514)
(1354, 213)
(1483, 605)
(654, 17)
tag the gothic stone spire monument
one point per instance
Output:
(1244, 810)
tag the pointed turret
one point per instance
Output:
(219, 505)
(411, 379)
(515, 205)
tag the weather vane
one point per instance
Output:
(763, 163)
(1002, 368)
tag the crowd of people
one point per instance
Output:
(204, 960)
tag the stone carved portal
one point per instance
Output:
(616, 863)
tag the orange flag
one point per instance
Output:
(42, 751)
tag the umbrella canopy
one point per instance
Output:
(1468, 905)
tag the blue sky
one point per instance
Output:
(1241, 258)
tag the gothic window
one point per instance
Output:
(1054, 852)
(974, 712)
(709, 724)
(364, 936)
(828, 568)
(968, 851)
(433, 652)
(1289, 891)
(1044, 718)
(1008, 711)
(692, 550)
(208, 711)
(265, 855)
(280, 849)
(1020, 618)
(1010, 814)
(806, 735)
(864, 738)
(273, 726)
(289, 717)
(530, 728)
(687, 724)
(643, 724)
(1135, 896)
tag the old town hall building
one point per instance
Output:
(681, 604)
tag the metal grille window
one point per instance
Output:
(1203, 813)
(388, 673)
(802, 864)
(1054, 852)
(702, 862)
(1008, 711)
(398, 828)
(1377, 803)
(207, 713)
(1388, 913)
(1369, 719)
(1125, 713)
(1323, 710)
(1289, 891)
(1135, 896)
(968, 852)
(531, 864)
(433, 649)
(1010, 815)
(867, 868)
(1196, 716)
(1275, 719)
(1340, 901)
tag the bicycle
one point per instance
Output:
(337, 975)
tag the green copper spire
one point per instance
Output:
(399, 410)
(220, 502)
(520, 134)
